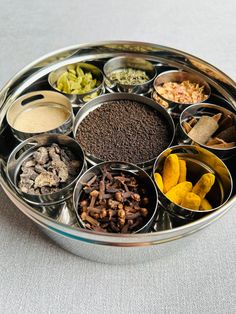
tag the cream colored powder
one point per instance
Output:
(40, 119)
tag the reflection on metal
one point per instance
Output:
(59, 221)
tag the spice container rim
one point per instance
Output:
(195, 148)
(100, 100)
(133, 57)
(169, 101)
(132, 168)
(80, 95)
(47, 96)
(13, 167)
(181, 120)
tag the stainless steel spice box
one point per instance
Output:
(168, 234)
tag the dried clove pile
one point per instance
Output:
(113, 203)
(48, 170)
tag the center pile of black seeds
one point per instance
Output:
(124, 131)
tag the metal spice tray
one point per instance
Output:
(59, 221)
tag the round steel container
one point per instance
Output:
(198, 111)
(97, 102)
(37, 100)
(26, 149)
(168, 237)
(199, 161)
(125, 62)
(79, 99)
(116, 167)
(178, 77)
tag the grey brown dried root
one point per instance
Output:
(48, 170)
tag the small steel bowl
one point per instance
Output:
(79, 99)
(198, 111)
(199, 161)
(176, 108)
(34, 100)
(26, 149)
(96, 103)
(124, 62)
(117, 167)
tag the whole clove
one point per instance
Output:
(118, 204)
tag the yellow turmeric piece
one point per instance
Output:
(191, 201)
(205, 205)
(177, 193)
(170, 173)
(158, 180)
(204, 184)
(182, 170)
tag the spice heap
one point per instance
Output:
(128, 76)
(41, 118)
(173, 183)
(113, 203)
(218, 131)
(76, 81)
(124, 130)
(185, 92)
(49, 170)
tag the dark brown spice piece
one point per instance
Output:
(121, 210)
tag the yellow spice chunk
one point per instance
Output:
(191, 201)
(177, 193)
(204, 184)
(205, 205)
(170, 174)
(182, 170)
(158, 180)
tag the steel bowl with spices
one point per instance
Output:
(116, 197)
(125, 127)
(175, 90)
(44, 177)
(199, 164)
(129, 74)
(39, 112)
(80, 82)
(211, 126)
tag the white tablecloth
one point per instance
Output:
(36, 276)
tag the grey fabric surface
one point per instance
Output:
(36, 276)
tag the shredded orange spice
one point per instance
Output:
(185, 92)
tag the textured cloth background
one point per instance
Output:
(36, 276)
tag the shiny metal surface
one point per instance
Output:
(26, 149)
(124, 62)
(116, 168)
(33, 100)
(99, 247)
(119, 254)
(179, 76)
(199, 161)
(97, 102)
(79, 99)
(198, 111)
